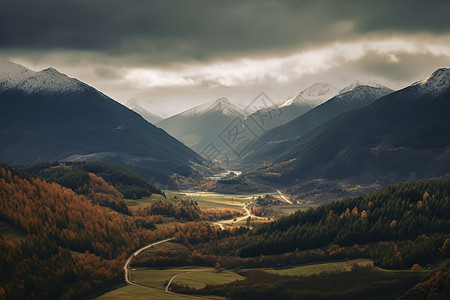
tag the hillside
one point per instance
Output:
(57, 221)
(400, 212)
(52, 117)
(69, 246)
(411, 217)
(74, 175)
(405, 226)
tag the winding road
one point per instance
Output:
(127, 263)
(171, 279)
(137, 252)
(232, 221)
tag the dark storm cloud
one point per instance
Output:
(163, 31)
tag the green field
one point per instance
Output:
(201, 279)
(158, 278)
(146, 200)
(331, 267)
(214, 200)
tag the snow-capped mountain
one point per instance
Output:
(12, 74)
(313, 95)
(48, 116)
(221, 105)
(46, 81)
(292, 107)
(438, 82)
(402, 136)
(356, 97)
(203, 124)
(50, 81)
(359, 95)
(148, 116)
(357, 83)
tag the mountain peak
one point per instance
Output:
(52, 71)
(314, 95)
(441, 72)
(50, 80)
(361, 93)
(318, 93)
(358, 83)
(222, 105)
(11, 74)
(226, 107)
(436, 83)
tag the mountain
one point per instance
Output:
(357, 83)
(217, 125)
(350, 98)
(150, 117)
(204, 124)
(12, 74)
(48, 116)
(290, 108)
(401, 136)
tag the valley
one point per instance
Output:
(225, 150)
(213, 245)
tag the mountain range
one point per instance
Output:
(349, 98)
(210, 123)
(48, 116)
(361, 137)
(401, 136)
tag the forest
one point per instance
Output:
(74, 175)
(411, 218)
(73, 245)
(78, 238)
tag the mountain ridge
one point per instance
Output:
(401, 136)
(48, 122)
(356, 97)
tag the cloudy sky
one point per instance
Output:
(172, 55)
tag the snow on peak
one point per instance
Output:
(12, 74)
(361, 93)
(438, 82)
(314, 95)
(222, 105)
(50, 81)
(319, 92)
(46, 81)
(357, 83)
